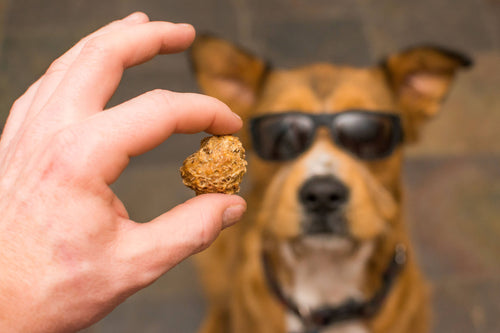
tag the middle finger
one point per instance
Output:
(58, 68)
(38, 94)
(95, 74)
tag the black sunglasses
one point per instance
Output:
(366, 134)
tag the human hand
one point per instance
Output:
(69, 253)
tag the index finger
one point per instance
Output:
(139, 125)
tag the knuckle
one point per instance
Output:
(96, 48)
(160, 98)
(58, 66)
(65, 139)
(18, 102)
(64, 150)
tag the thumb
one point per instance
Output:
(184, 230)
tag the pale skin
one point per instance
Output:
(69, 254)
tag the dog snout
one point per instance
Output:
(322, 198)
(323, 194)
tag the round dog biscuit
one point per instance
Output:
(217, 167)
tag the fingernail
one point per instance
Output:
(232, 214)
(237, 116)
(185, 25)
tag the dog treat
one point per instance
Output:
(217, 167)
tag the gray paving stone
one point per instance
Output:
(294, 43)
(291, 33)
(150, 190)
(172, 304)
(3, 13)
(301, 9)
(215, 15)
(467, 306)
(460, 24)
(452, 208)
(492, 7)
(26, 16)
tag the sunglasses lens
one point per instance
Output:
(367, 136)
(281, 137)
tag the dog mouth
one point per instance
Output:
(326, 235)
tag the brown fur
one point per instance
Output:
(412, 84)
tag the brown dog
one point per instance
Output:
(323, 247)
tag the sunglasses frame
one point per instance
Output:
(326, 120)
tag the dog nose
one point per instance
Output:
(323, 194)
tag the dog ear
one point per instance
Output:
(227, 72)
(421, 78)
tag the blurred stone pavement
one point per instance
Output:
(452, 176)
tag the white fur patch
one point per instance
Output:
(319, 162)
(325, 277)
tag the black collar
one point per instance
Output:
(317, 319)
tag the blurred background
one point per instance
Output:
(452, 176)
